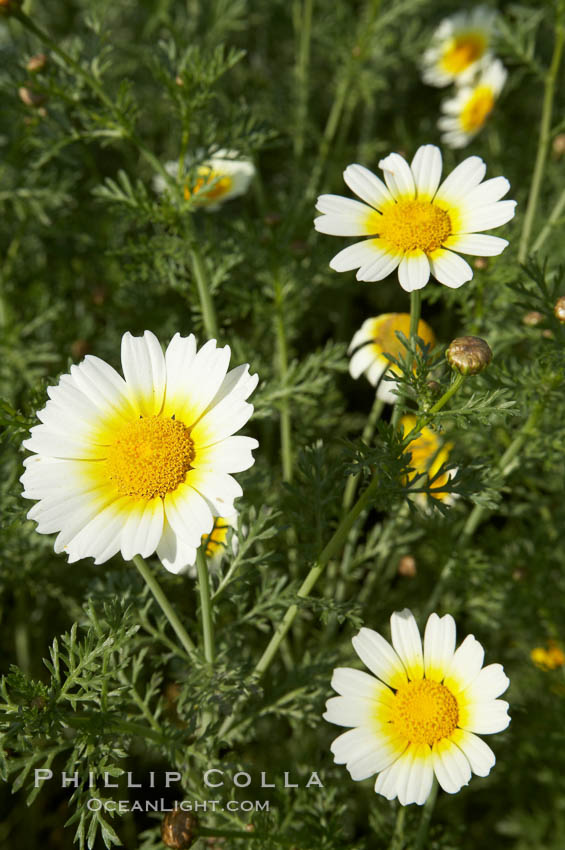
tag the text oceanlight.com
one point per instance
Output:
(96, 804)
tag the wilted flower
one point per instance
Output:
(140, 465)
(421, 716)
(415, 223)
(428, 454)
(8, 7)
(179, 829)
(468, 355)
(377, 337)
(219, 178)
(458, 45)
(466, 113)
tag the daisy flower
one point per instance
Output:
(458, 45)
(467, 112)
(140, 464)
(377, 337)
(416, 224)
(220, 178)
(422, 714)
(428, 455)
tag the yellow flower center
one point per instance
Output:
(463, 50)
(216, 540)
(212, 184)
(409, 226)
(477, 109)
(424, 712)
(150, 457)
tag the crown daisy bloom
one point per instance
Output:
(414, 224)
(457, 47)
(377, 337)
(140, 464)
(428, 454)
(422, 714)
(466, 113)
(219, 178)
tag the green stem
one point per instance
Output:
(112, 725)
(427, 812)
(335, 543)
(96, 87)
(204, 294)
(164, 604)
(304, 25)
(415, 310)
(544, 137)
(366, 437)
(282, 357)
(397, 840)
(205, 604)
(551, 221)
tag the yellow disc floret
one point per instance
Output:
(477, 109)
(424, 712)
(462, 51)
(150, 457)
(210, 184)
(409, 226)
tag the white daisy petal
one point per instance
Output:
(439, 646)
(451, 766)
(491, 682)
(362, 360)
(465, 177)
(379, 267)
(426, 168)
(418, 775)
(143, 365)
(480, 756)
(188, 514)
(349, 711)
(233, 454)
(142, 529)
(379, 656)
(477, 244)
(450, 269)
(343, 217)
(352, 745)
(484, 218)
(366, 185)
(485, 718)
(398, 176)
(175, 555)
(350, 682)
(356, 255)
(488, 192)
(407, 642)
(465, 665)
(414, 272)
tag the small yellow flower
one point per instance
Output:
(429, 454)
(550, 658)
(377, 337)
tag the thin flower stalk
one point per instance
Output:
(544, 137)
(205, 605)
(164, 605)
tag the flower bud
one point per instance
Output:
(36, 63)
(407, 566)
(558, 145)
(8, 7)
(559, 309)
(533, 318)
(468, 355)
(179, 829)
(31, 98)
